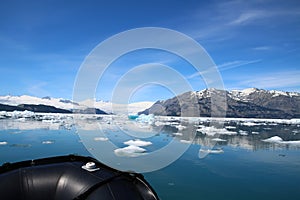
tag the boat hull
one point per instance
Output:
(69, 177)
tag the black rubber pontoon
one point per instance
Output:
(70, 177)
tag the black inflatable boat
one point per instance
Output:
(70, 177)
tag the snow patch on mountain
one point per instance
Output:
(108, 107)
(25, 99)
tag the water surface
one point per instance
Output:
(237, 162)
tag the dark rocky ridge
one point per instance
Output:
(47, 109)
(250, 103)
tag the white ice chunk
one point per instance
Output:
(218, 140)
(130, 151)
(241, 132)
(138, 143)
(186, 141)
(48, 142)
(3, 143)
(159, 123)
(278, 140)
(177, 134)
(211, 151)
(249, 124)
(149, 119)
(211, 131)
(274, 139)
(180, 127)
(296, 142)
(102, 139)
(230, 127)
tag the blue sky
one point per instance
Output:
(43, 43)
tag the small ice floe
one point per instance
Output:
(295, 121)
(254, 133)
(186, 141)
(211, 131)
(177, 134)
(244, 133)
(102, 139)
(273, 124)
(296, 142)
(230, 127)
(274, 139)
(138, 143)
(211, 151)
(218, 140)
(249, 124)
(279, 140)
(180, 127)
(48, 142)
(130, 151)
(147, 119)
(159, 123)
(3, 143)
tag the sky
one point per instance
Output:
(43, 44)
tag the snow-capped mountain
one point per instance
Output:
(250, 103)
(59, 103)
(25, 99)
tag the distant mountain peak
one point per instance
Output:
(250, 102)
(87, 106)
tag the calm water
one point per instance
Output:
(241, 165)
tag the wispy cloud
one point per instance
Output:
(236, 63)
(37, 89)
(249, 16)
(229, 15)
(262, 48)
(228, 65)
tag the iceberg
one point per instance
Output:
(279, 140)
(132, 116)
(145, 119)
(211, 131)
(130, 151)
(250, 124)
(177, 134)
(102, 139)
(296, 142)
(211, 151)
(180, 127)
(186, 141)
(230, 127)
(48, 142)
(137, 143)
(244, 133)
(218, 140)
(3, 143)
(274, 139)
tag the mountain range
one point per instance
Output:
(59, 105)
(248, 103)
